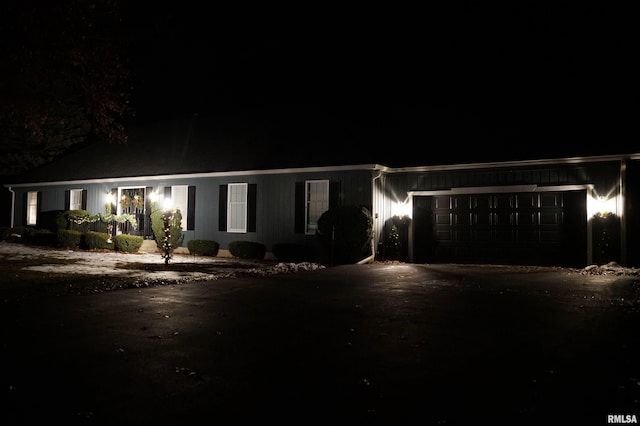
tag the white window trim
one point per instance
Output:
(308, 229)
(72, 192)
(183, 204)
(32, 208)
(232, 206)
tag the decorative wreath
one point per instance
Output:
(125, 201)
(138, 202)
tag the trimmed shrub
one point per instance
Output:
(292, 252)
(247, 249)
(93, 240)
(68, 238)
(52, 220)
(43, 237)
(77, 220)
(127, 243)
(345, 233)
(203, 247)
(25, 233)
(157, 225)
(19, 234)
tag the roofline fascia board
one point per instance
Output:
(498, 190)
(386, 169)
(201, 175)
(520, 163)
(495, 189)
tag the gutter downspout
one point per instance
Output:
(13, 205)
(621, 207)
(372, 257)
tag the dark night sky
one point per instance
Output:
(542, 79)
(538, 79)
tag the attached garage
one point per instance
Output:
(534, 227)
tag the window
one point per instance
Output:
(237, 207)
(179, 197)
(32, 208)
(75, 199)
(317, 202)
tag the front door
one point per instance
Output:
(132, 201)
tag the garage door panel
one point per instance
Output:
(462, 219)
(461, 202)
(526, 218)
(524, 228)
(503, 201)
(528, 236)
(525, 201)
(503, 218)
(550, 218)
(463, 235)
(442, 202)
(443, 219)
(501, 236)
(443, 235)
(550, 200)
(483, 235)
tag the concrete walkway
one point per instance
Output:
(356, 344)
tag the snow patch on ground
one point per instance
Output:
(151, 265)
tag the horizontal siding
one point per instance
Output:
(275, 202)
(601, 174)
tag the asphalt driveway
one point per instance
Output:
(390, 344)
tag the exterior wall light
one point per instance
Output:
(601, 206)
(401, 209)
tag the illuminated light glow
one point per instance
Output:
(153, 196)
(109, 197)
(601, 206)
(167, 204)
(401, 209)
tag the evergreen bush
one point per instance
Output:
(247, 249)
(157, 225)
(43, 237)
(93, 240)
(77, 220)
(68, 238)
(127, 243)
(203, 247)
(50, 220)
(345, 234)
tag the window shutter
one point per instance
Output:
(67, 199)
(191, 208)
(146, 226)
(335, 196)
(147, 200)
(252, 207)
(167, 192)
(222, 208)
(114, 204)
(299, 208)
(39, 208)
(25, 207)
(84, 199)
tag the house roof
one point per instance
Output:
(214, 143)
(197, 145)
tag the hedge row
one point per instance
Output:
(71, 238)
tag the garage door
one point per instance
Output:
(533, 228)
